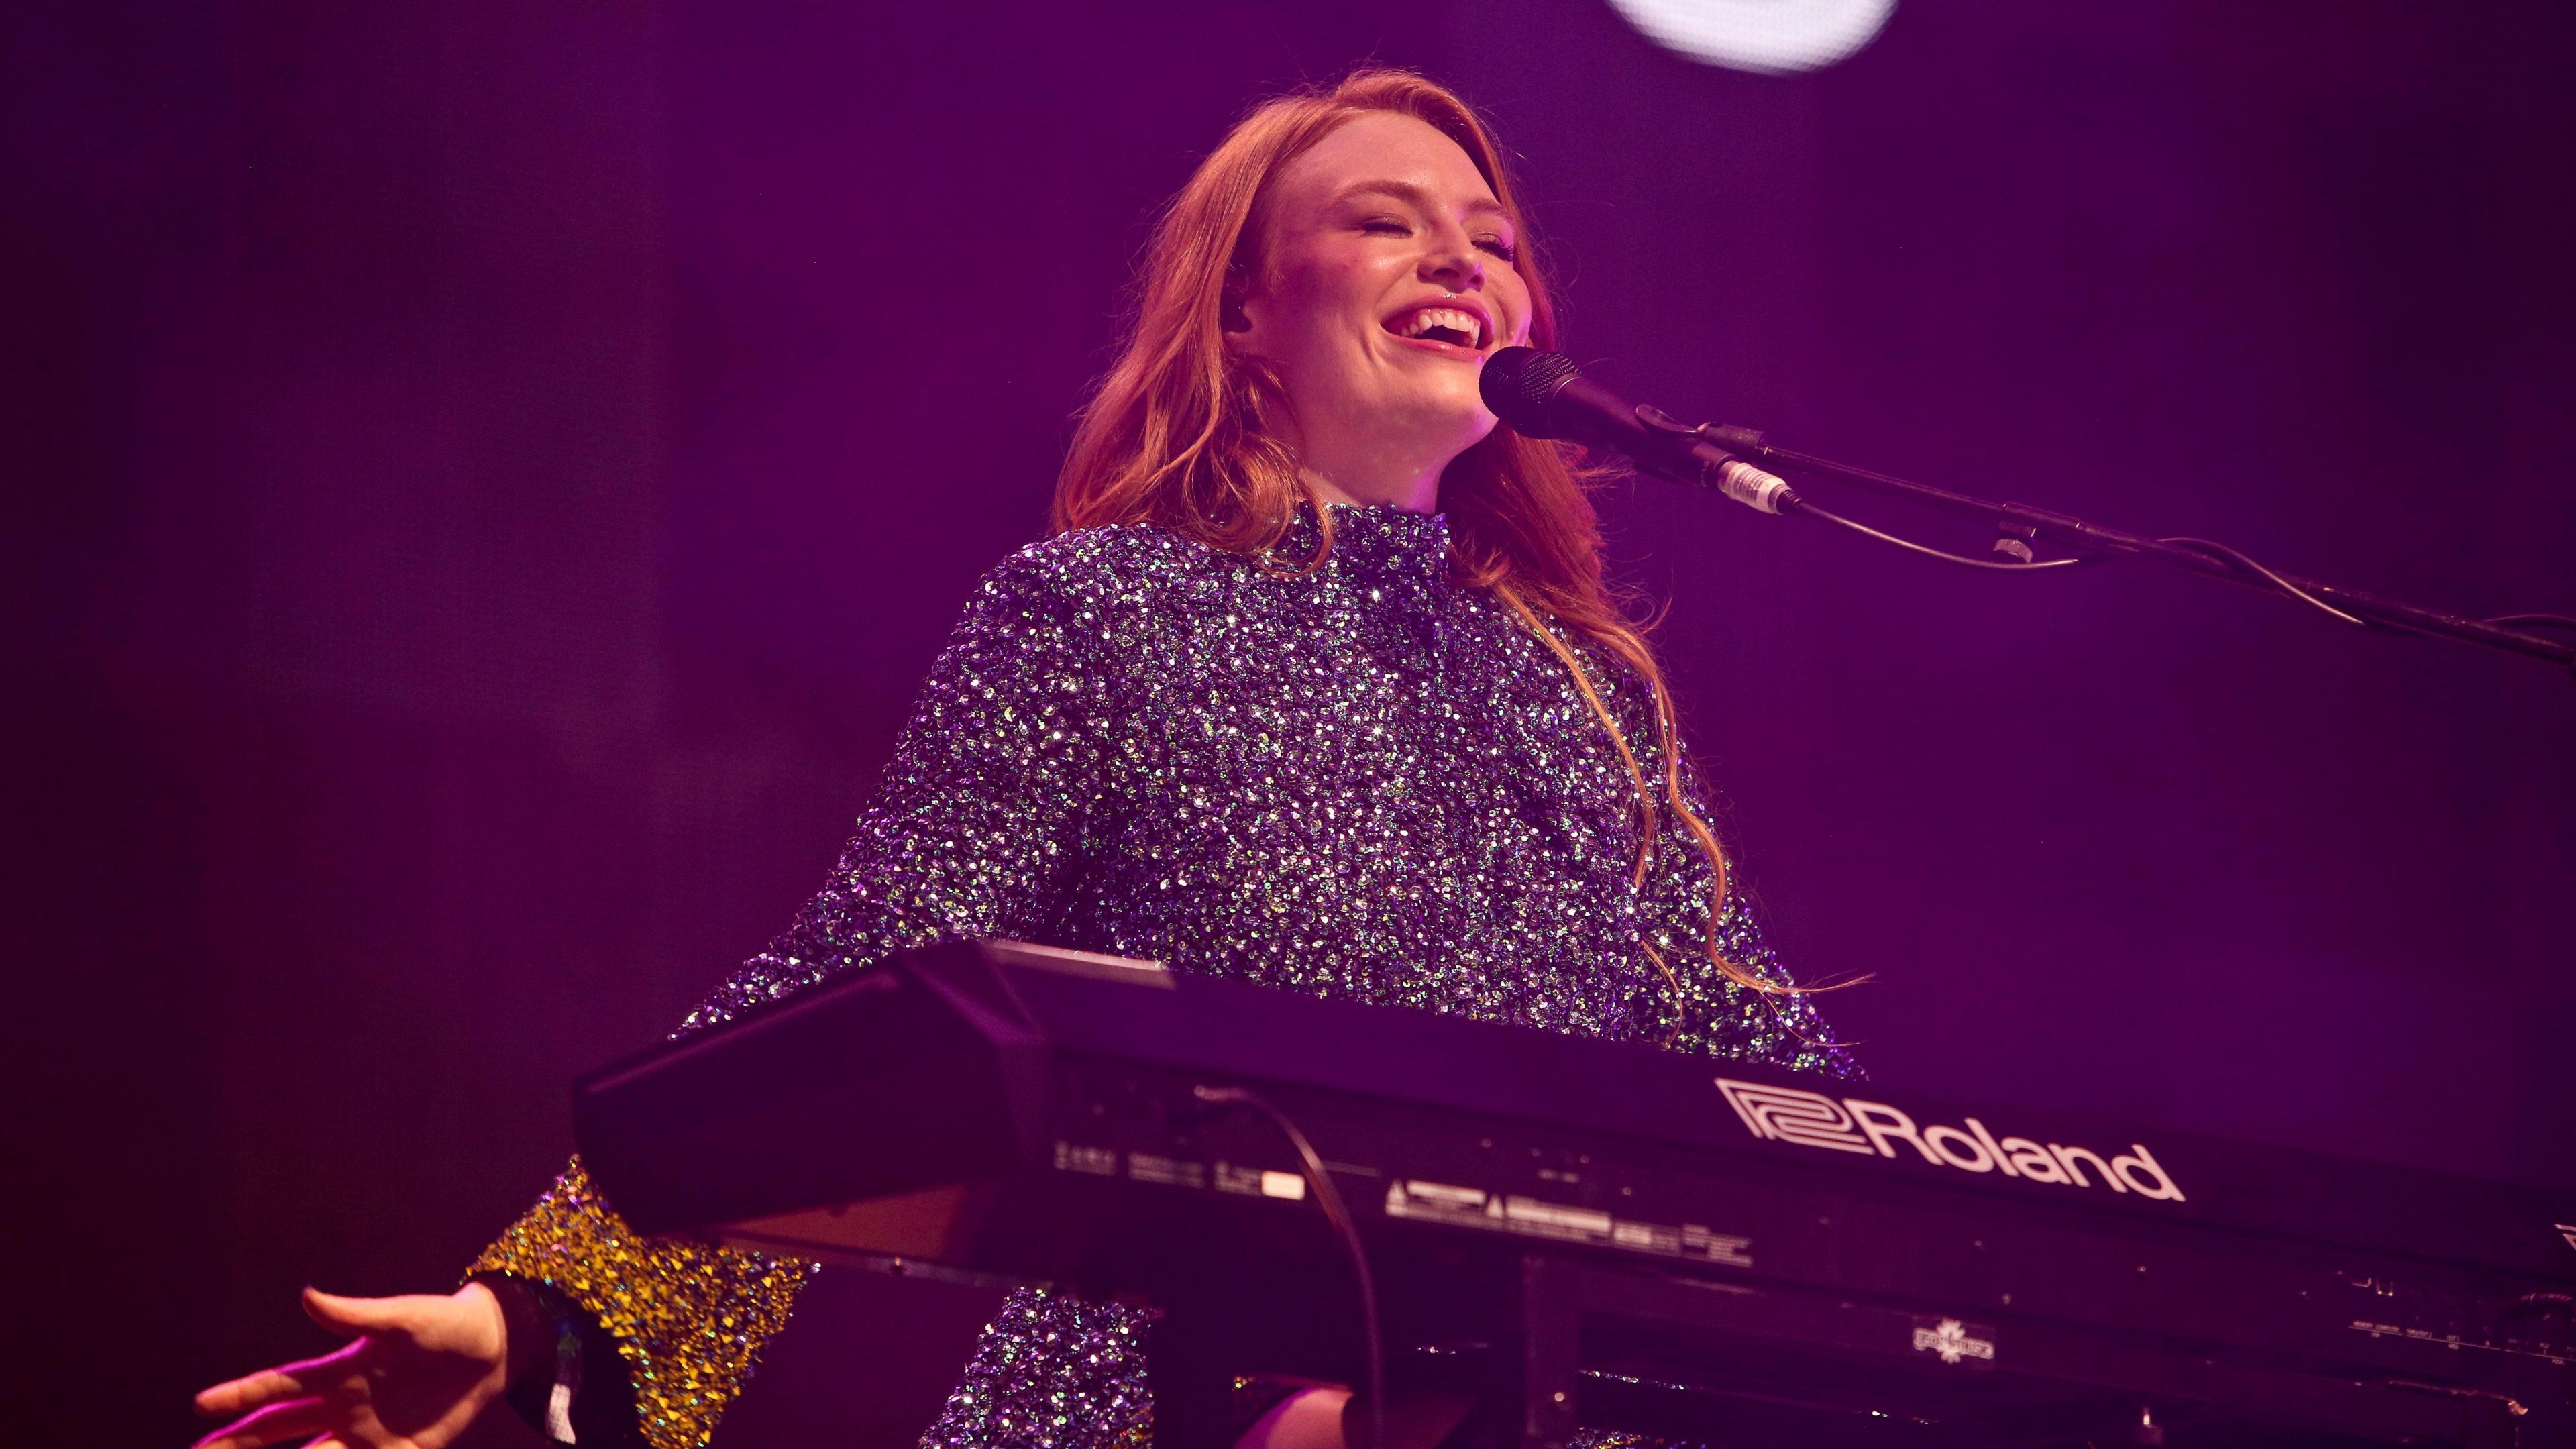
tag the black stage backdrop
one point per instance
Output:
(484, 479)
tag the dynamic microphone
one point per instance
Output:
(1544, 395)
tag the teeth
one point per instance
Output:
(1462, 323)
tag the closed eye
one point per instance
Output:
(1499, 247)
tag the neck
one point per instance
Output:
(1375, 474)
(1422, 497)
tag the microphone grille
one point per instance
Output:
(1520, 384)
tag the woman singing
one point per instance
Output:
(1318, 686)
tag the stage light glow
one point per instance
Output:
(1769, 37)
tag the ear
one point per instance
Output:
(1230, 313)
(1236, 332)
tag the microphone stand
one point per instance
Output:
(2024, 525)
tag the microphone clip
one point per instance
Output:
(1717, 468)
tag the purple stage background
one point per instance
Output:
(485, 479)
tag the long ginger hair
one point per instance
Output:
(1181, 435)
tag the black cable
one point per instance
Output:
(2222, 551)
(1911, 547)
(2209, 547)
(2192, 555)
(1336, 1212)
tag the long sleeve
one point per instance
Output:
(688, 1319)
(983, 814)
(974, 831)
(1360, 780)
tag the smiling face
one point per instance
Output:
(1382, 281)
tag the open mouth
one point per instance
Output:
(1453, 326)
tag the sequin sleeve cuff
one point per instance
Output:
(689, 1319)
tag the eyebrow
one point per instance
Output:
(1406, 191)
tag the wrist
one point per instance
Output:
(487, 1335)
(546, 1353)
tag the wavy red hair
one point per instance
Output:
(1180, 434)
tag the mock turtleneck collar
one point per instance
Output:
(1380, 541)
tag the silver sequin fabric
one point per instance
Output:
(1365, 781)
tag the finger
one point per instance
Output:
(249, 1391)
(305, 1376)
(289, 1420)
(356, 1315)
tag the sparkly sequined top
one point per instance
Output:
(1363, 780)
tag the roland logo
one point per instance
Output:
(1849, 1124)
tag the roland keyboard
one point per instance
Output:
(1583, 1232)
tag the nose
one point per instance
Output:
(1453, 261)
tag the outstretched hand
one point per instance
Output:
(417, 1370)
